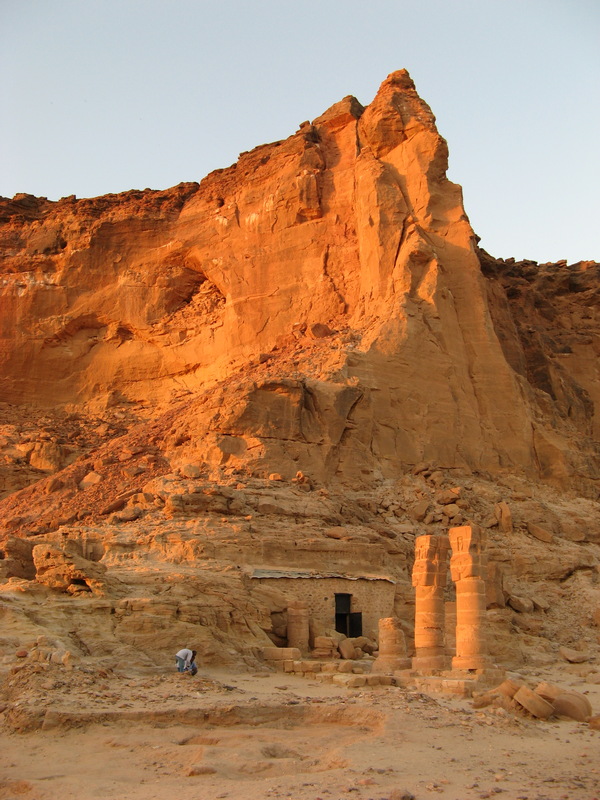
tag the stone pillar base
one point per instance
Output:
(471, 662)
(428, 663)
(389, 665)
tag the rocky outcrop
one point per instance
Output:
(303, 361)
(338, 273)
(67, 571)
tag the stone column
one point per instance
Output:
(429, 579)
(450, 627)
(468, 565)
(297, 625)
(392, 647)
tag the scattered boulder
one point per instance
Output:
(539, 533)
(419, 510)
(521, 604)
(319, 331)
(91, 479)
(504, 516)
(47, 456)
(573, 656)
(447, 496)
(191, 471)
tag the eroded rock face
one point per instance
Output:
(303, 361)
(341, 255)
(67, 571)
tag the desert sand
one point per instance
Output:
(225, 734)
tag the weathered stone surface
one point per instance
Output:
(347, 648)
(520, 603)
(369, 245)
(534, 703)
(392, 647)
(573, 656)
(67, 571)
(548, 691)
(304, 363)
(540, 533)
(573, 705)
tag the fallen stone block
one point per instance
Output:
(533, 703)
(573, 705)
(347, 649)
(548, 691)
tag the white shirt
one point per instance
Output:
(186, 655)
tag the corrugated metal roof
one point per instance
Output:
(296, 573)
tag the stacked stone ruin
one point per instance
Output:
(433, 659)
(392, 647)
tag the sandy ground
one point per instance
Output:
(234, 735)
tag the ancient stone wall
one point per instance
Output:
(374, 598)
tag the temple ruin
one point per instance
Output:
(326, 612)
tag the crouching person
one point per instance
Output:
(186, 661)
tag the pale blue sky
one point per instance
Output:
(102, 96)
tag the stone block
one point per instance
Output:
(573, 705)
(548, 691)
(324, 677)
(347, 649)
(349, 681)
(535, 704)
(311, 666)
(323, 642)
(281, 653)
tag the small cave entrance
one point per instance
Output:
(347, 621)
(80, 585)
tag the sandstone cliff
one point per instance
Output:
(172, 360)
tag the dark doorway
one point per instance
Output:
(347, 622)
